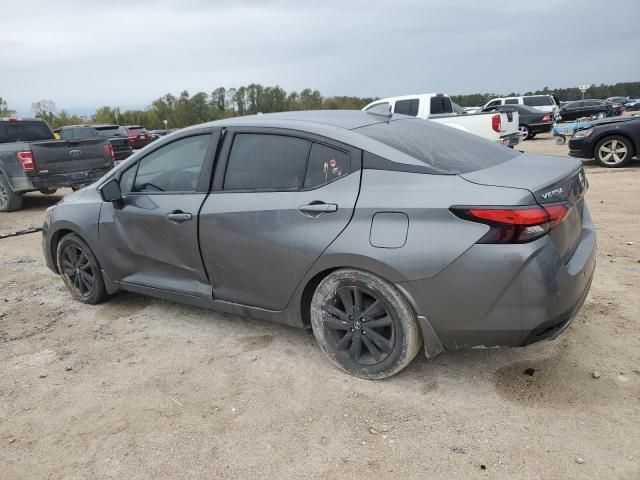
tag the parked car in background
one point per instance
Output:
(116, 134)
(156, 134)
(138, 136)
(544, 103)
(384, 235)
(499, 127)
(613, 142)
(590, 108)
(531, 120)
(633, 104)
(32, 159)
(620, 100)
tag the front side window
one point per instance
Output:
(326, 164)
(407, 107)
(172, 168)
(266, 162)
(493, 103)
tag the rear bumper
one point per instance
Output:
(506, 295)
(122, 154)
(59, 180)
(540, 127)
(510, 140)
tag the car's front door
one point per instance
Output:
(151, 238)
(279, 200)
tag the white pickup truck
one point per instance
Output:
(501, 127)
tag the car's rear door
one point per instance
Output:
(151, 239)
(279, 199)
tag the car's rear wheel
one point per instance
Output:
(524, 132)
(80, 270)
(613, 152)
(9, 200)
(364, 324)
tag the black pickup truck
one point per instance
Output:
(116, 134)
(31, 159)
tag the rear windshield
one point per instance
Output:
(136, 128)
(444, 149)
(109, 132)
(538, 101)
(24, 132)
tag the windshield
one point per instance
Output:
(136, 129)
(111, 131)
(446, 150)
(538, 101)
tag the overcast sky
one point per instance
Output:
(84, 54)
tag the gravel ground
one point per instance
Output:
(143, 388)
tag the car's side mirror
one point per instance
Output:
(111, 192)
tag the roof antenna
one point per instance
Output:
(380, 110)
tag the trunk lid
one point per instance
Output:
(550, 180)
(66, 156)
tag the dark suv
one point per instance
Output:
(138, 136)
(116, 134)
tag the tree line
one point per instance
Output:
(185, 109)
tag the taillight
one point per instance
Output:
(516, 224)
(109, 149)
(546, 118)
(27, 161)
(496, 123)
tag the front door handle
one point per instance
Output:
(178, 216)
(317, 208)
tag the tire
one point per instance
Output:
(9, 200)
(613, 151)
(357, 347)
(532, 135)
(80, 270)
(524, 131)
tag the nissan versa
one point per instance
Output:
(381, 233)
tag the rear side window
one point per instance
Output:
(326, 164)
(407, 107)
(266, 162)
(538, 101)
(24, 132)
(511, 101)
(441, 105)
(443, 149)
(108, 132)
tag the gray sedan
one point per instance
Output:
(383, 234)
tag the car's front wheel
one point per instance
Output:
(364, 324)
(80, 270)
(613, 152)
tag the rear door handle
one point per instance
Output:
(178, 216)
(317, 208)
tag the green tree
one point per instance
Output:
(46, 110)
(4, 108)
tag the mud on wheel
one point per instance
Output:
(80, 270)
(364, 324)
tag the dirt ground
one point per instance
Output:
(143, 388)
